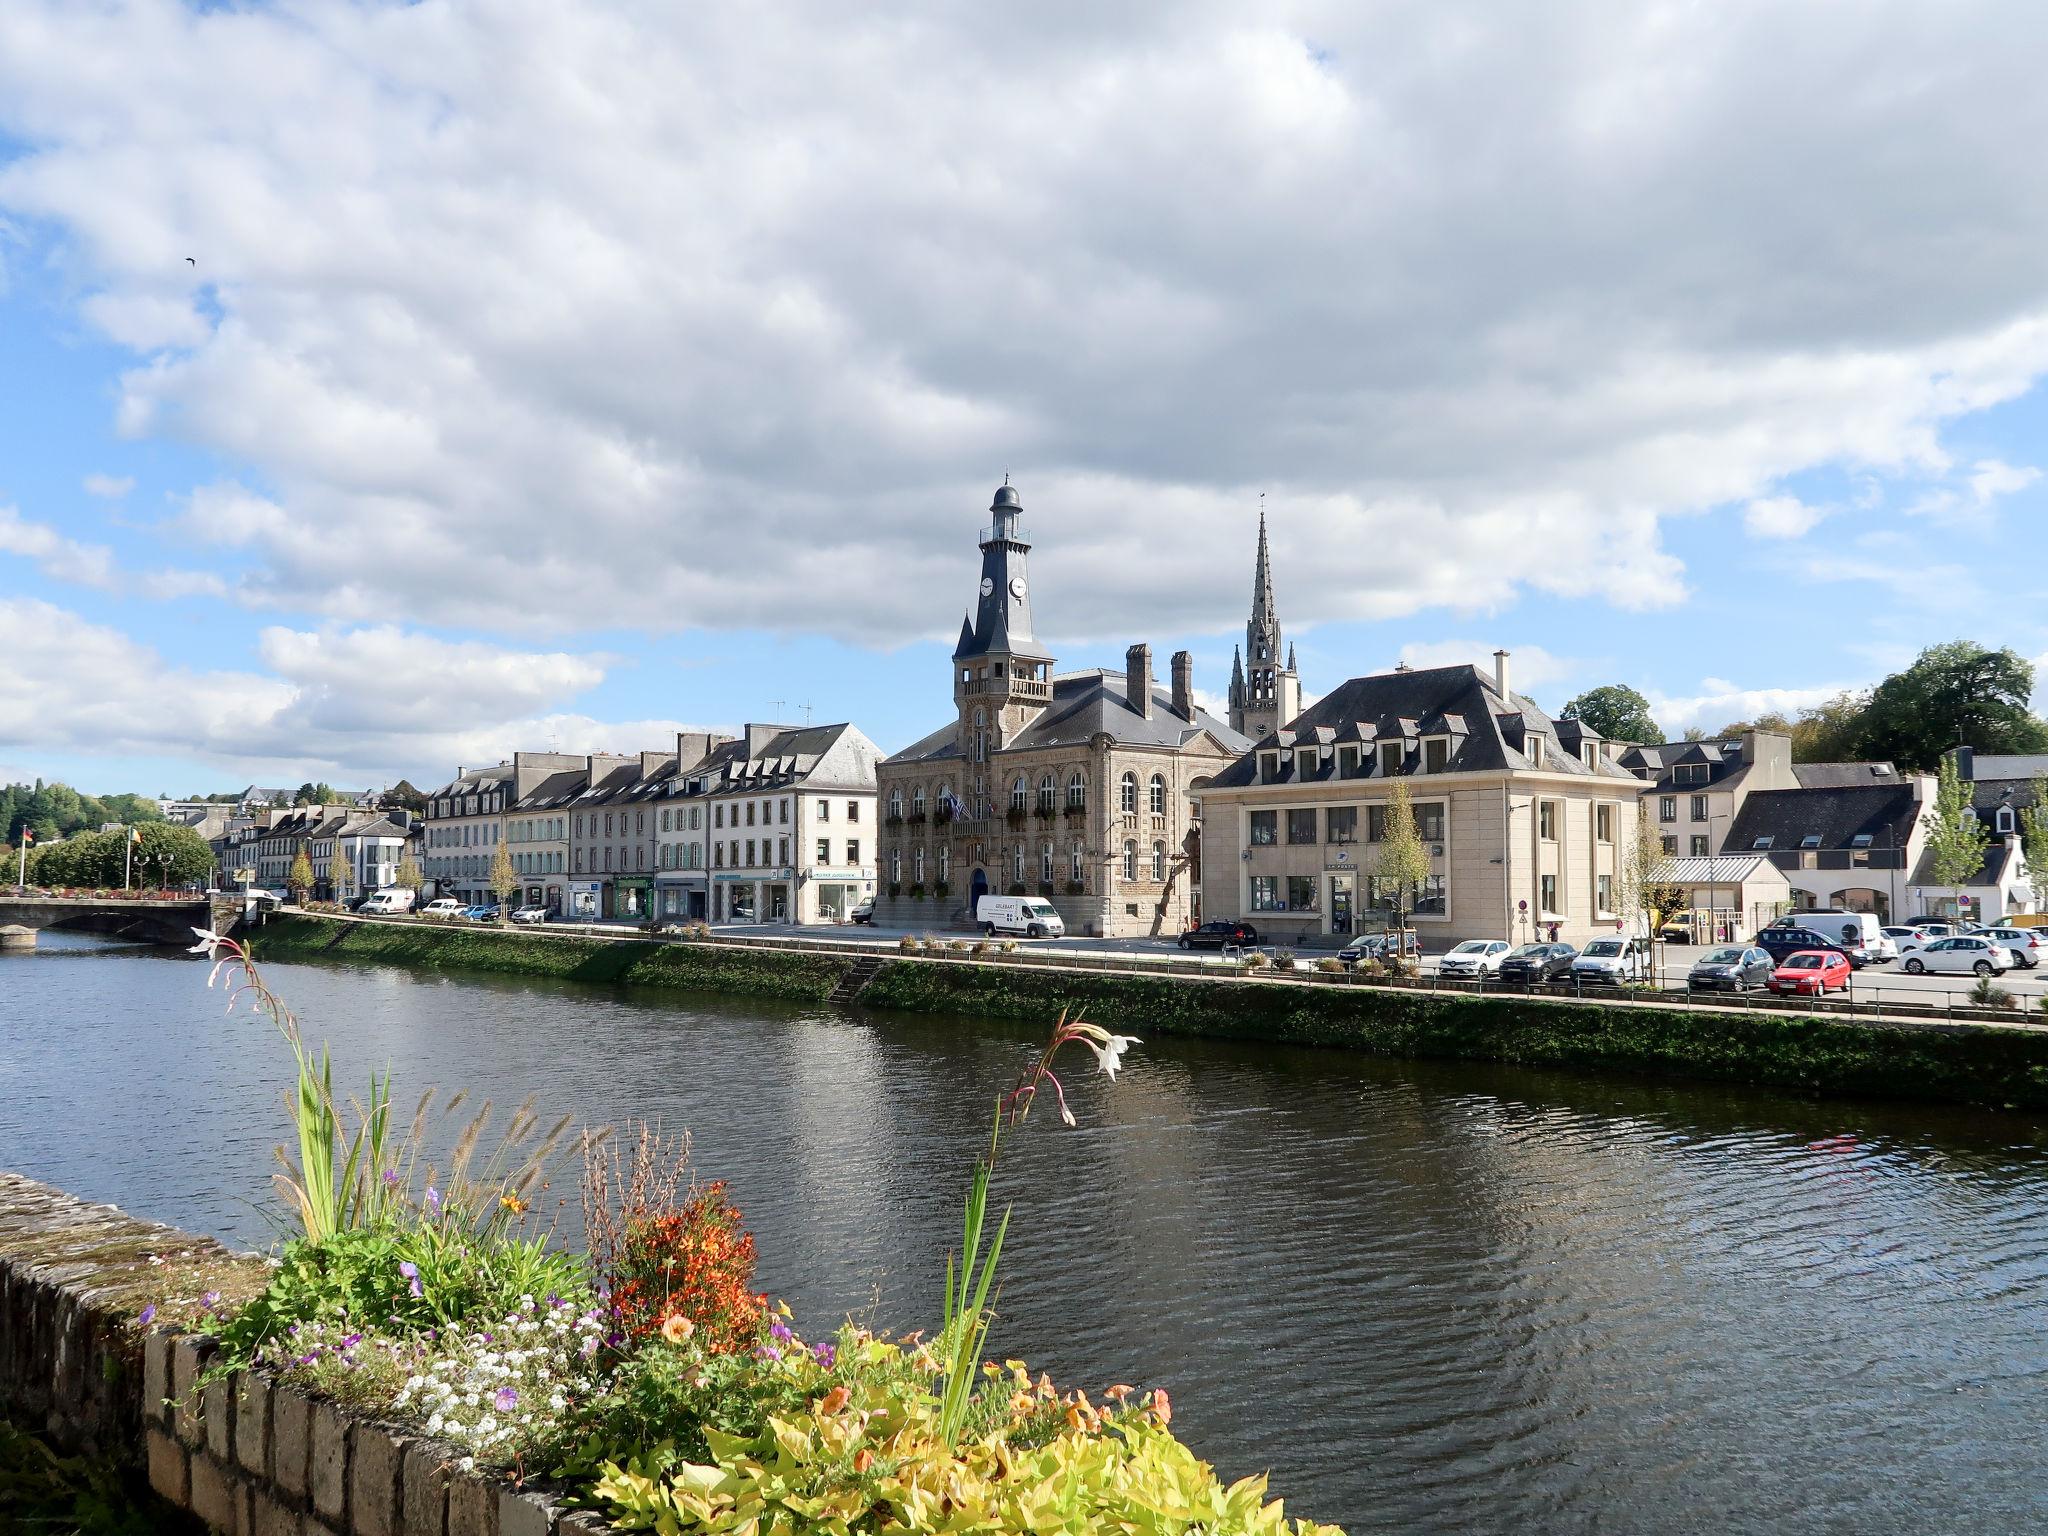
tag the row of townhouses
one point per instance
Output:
(1117, 797)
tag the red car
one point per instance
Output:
(1812, 971)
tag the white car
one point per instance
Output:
(444, 906)
(1963, 953)
(1613, 961)
(1478, 958)
(530, 915)
(2027, 946)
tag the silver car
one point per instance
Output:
(1474, 959)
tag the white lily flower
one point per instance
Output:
(1109, 1054)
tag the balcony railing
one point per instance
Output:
(1021, 687)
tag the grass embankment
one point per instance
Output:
(686, 967)
(2005, 1068)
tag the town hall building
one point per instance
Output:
(1082, 787)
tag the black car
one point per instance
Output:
(1782, 939)
(1732, 968)
(1216, 935)
(1535, 964)
(1377, 946)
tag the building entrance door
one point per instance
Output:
(1342, 890)
(976, 889)
(778, 903)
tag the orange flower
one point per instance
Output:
(1162, 1406)
(676, 1328)
(863, 1459)
(513, 1204)
(834, 1400)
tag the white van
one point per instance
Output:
(1032, 916)
(396, 899)
(1852, 930)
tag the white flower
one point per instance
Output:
(1109, 1054)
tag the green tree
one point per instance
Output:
(409, 874)
(504, 878)
(175, 855)
(300, 880)
(403, 797)
(1955, 692)
(337, 874)
(1645, 885)
(1617, 712)
(1402, 863)
(1956, 840)
(2034, 840)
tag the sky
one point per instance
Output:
(387, 387)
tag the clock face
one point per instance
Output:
(1017, 586)
(987, 586)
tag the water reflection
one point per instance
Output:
(1429, 1297)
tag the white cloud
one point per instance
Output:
(1529, 666)
(1781, 517)
(1969, 501)
(109, 487)
(1991, 479)
(1481, 296)
(1719, 702)
(345, 705)
(58, 557)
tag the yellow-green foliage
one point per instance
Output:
(869, 1457)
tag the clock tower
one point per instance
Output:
(1002, 676)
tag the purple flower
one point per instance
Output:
(590, 1346)
(148, 1315)
(768, 1352)
(828, 1355)
(506, 1399)
(210, 1300)
(351, 1341)
(779, 1331)
(411, 1272)
(433, 1201)
(391, 1178)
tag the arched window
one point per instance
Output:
(1017, 864)
(917, 802)
(919, 862)
(980, 736)
(1159, 862)
(1045, 864)
(942, 802)
(1127, 794)
(895, 865)
(1048, 793)
(945, 863)
(1076, 875)
(1077, 793)
(1158, 794)
(1020, 792)
(1130, 861)
(895, 805)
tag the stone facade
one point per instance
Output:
(1083, 787)
(1525, 820)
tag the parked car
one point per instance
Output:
(1962, 953)
(442, 906)
(1218, 934)
(1377, 946)
(1612, 961)
(1900, 937)
(1736, 968)
(1031, 916)
(481, 912)
(1682, 926)
(1535, 964)
(2025, 945)
(863, 911)
(1933, 928)
(398, 898)
(1783, 942)
(1815, 971)
(1475, 958)
(530, 915)
(1856, 934)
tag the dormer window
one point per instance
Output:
(1811, 840)
(1347, 761)
(1269, 767)
(1860, 840)
(1532, 747)
(1391, 753)
(1436, 754)
(1589, 754)
(1761, 845)
(1306, 761)
(2005, 818)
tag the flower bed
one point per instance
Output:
(642, 1378)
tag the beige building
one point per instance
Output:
(1082, 787)
(1526, 820)
(790, 823)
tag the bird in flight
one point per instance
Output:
(193, 259)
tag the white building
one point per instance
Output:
(792, 823)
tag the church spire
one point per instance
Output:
(1263, 607)
(1269, 695)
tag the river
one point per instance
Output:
(1427, 1297)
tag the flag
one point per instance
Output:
(135, 834)
(27, 837)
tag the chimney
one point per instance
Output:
(758, 737)
(1138, 679)
(1966, 764)
(692, 747)
(1500, 677)
(1184, 684)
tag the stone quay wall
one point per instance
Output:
(245, 1454)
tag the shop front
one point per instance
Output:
(680, 898)
(586, 899)
(632, 898)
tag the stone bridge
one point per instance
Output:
(159, 919)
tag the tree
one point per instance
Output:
(2034, 840)
(337, 873)
(1833, 732)
(1955, 692)
(300, 879)
(1646, 878)
(167, 854)
(1956, 839)
(1617, 712)
(409, 874)
(1402, 863)
(403, 797)
(504, 878)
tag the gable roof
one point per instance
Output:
(1084, 705)
(1885, 813)
(1843, 775)
(2000, 855)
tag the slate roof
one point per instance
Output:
(1999, 856)
(1843, 775)
(1656, 764)
(2001, 765)
(1084, 705)
(1885, 813)
(557, 789)
(809, 755)
(1488, 732)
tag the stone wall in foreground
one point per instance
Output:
(246, 1454)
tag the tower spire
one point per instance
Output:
(1270, 693)
(1262, 578)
